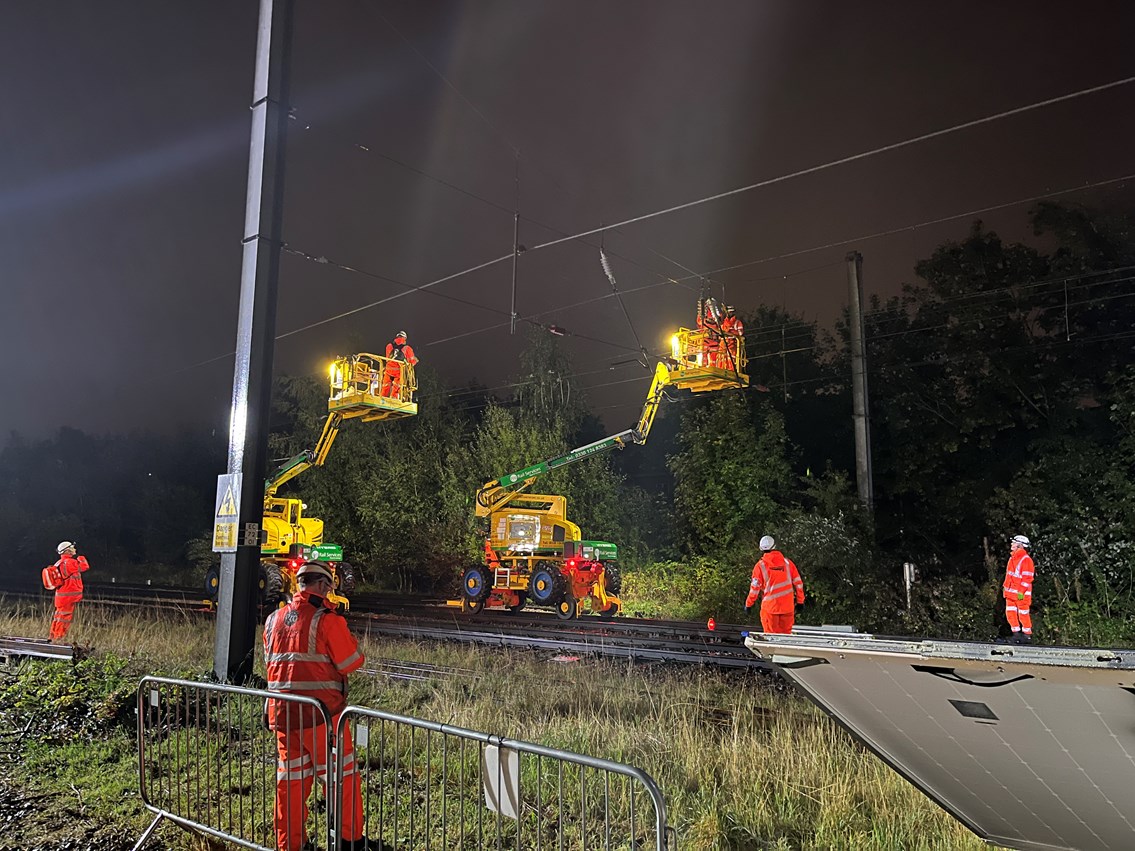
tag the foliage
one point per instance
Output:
(731, 474)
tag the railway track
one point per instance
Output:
(393, 616)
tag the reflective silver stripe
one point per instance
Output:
(756, 583)
(270, 622)
(1021, 611)
(296, 657)
(785, 593)
(311, 635)
(1010, 608)
(346, 663)
(68, 593)
(298, 762)
(313, 685)
(295, 775)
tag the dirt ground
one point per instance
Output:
(31, 821)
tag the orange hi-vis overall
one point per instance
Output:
(732, 329)
(308, 650)
(777, 581)
(397, 354)
(67, 595)
(1019, 580)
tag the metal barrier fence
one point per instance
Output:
(426, 785)
(207, 762)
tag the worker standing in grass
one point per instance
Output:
(1018, 590)
(308, 650)
(778, 582)
(398, 354)
(65, 577)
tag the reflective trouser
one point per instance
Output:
(392, 380)
(65, 603)
(771, 622)
(1017, 614)
(302, 758)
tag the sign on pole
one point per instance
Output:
(225, 517)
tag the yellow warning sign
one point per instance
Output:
(227, 509)
(228, 504)
(224, 536)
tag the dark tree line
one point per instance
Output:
(1003, 402)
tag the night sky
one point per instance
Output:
(124, 154)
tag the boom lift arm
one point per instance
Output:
(496, 494)
(306, 459)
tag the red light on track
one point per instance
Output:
(711, 624)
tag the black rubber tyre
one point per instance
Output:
(520, 605)
(609, 612)
(613, 578)
(271, 583)
(344, 579)
(566, 608)
(475, 583)
(212, 582)
(546, 586)
(472, 607)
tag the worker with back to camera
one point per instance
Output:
(309, 651)
(777, 581)
(1018, 590)
(66, 578)
(398, 354)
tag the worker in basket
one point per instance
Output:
(398, 354)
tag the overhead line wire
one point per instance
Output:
(848, 159)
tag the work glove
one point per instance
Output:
(1020, 596)
(747, 608)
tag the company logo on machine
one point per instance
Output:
(291, 617)
(512, 479)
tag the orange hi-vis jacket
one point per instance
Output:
(72, 568)
(397, 353)
(1019, 575)
(777, 580)
(308, 650)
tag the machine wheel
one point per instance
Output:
(613, 579)
(610, 612)
(566, 607)
(212, 582)
(475, 584)
(523, 598)
(271, 583)
(546, 586)
(344, 579)
(472, 607)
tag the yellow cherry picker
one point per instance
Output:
(533, 553)
(288, 537)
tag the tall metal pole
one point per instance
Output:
(859, 403)
(515, 245)
(256, 331)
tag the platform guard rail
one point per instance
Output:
(207, 763)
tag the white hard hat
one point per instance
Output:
(63, 547)
(767, 543)
(1021, 539)
(318, 568)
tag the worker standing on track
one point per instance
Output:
(1018, 590)
(308, 650)
(777, 580)
(398, 354)
(67, 581)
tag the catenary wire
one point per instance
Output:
(739, 190)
